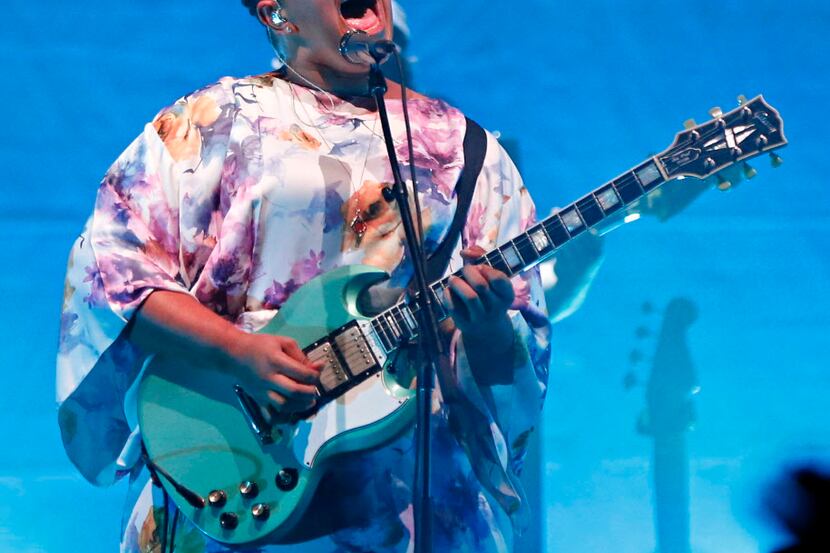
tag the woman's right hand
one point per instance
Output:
(272, 369)
(275, 372)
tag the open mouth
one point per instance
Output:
(362, 15)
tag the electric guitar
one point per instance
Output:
(244, 476)
(667, 417)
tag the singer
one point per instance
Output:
(226, 204)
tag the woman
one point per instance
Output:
(228, 202)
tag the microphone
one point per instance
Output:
(361, 48)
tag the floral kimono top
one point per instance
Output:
(240, 193)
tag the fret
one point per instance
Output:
(414, 309)
(408, 330)
(608, 199)
(511, 256)
(393, 326)
(438, 302)
(403, 329)
(628, 188)
(648, 175)
(572, 221)
(526, 249)
(556, 231)
(499, 262)
(439, 286)
(387, 331)
(589, 210)
(409, 319)
(382, 335)
(540, 239)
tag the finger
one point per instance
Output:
(464, 296)
(282, 364)
(474, 276)
(292, 389)
(277, 400)
(473, 252)
(292, 349)
(455, 308)
(500, 285)
(282, 404)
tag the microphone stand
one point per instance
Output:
(431, 343)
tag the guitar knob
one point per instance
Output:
(742, 99)
(776, 160)
(229, 521)
(248, 489)
(716, 112)
(689, 124)
(749, 171)
(260, 511)
(217, 498)
(287, 479)
(723, 184)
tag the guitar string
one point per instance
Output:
(627, 180)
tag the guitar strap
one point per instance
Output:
(378, 298)
(475, 148)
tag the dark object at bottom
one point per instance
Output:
(801, 504)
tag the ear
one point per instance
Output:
(266, 10)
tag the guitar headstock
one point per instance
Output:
(727, 140)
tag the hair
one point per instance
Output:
(251, 6)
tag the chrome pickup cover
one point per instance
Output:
(332, 376)
(355, 350)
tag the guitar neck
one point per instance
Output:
(700, 151)
(398, 324)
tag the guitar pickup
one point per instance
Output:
(332, 375)
(355, 350)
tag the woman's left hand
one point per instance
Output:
(478, 303)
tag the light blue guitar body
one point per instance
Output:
(199, 435)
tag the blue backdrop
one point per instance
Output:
(587, 89)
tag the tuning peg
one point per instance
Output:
(716, 112)
(689, 124)
(723, 184)
(630, 380)
(749, 171)
(776, 159)
(742, 100)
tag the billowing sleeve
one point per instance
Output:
(151, 229)
(496, 414)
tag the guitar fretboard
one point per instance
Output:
(398, 324)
